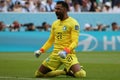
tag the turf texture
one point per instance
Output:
(22, 65)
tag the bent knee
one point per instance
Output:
(38, 74)
(81, 73)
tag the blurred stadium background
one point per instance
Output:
(21, 33)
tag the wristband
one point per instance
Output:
(42, 50)
(67, 50)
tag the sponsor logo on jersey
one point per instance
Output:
(64, 28)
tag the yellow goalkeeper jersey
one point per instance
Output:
(64, 34)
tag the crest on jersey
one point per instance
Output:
(76, 27)
(64, 28)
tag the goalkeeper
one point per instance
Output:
(64, 36)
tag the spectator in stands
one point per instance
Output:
(115, 26)
(98, 9)
(76, 7)
(17, 7)
(9, 5)
(3, 7)
(85, 7)
(39, 6)
(32, 5)
(79, 1)
(107, 8)
(50, 6)
(94, 6)
(13, 1)
(99, 3)
(116, 8)
(26, 7)
(42, 5)
(2, 26)
(89, 4)
(15, 26)
(114, 2)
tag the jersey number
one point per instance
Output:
(69, 58)
(59, 35)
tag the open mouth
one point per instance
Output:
(57, 14)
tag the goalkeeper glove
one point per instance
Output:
(64, 53)
(37, 53)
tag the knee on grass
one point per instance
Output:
(81, 73)
(38, 74)
(50, 74)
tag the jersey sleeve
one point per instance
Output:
(74, 36)
(50, 41)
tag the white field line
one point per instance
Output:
(21, 78)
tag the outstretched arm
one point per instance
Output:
(48, 43)
(46, 46)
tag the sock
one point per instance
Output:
(55, 73)
(39, 74)
(81, 73)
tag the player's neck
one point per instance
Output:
(65, 17)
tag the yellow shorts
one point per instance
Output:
(54, 61)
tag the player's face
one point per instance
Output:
(59, 11)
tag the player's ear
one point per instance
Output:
(65, 9)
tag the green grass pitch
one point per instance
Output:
(22, 65)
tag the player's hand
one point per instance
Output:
(62, 54)
(37, 53)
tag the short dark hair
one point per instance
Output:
(64, 4)
(114, 23)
